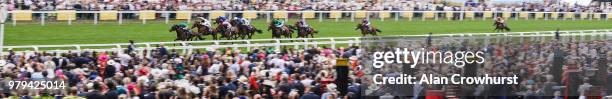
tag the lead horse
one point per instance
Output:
(181, 34)
(500, 27)
(365, 30)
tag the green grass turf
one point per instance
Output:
(84, 32)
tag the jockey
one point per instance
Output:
(278, 23)
(204, 22)
(245, 22)
(224, 21)
(303, 23)
(222, 18)
(500, 21)
(366, 23)
(237, 20)
(226, 24)
(183, 25)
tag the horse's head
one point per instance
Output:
(173, 28)
(359, 26)
(234, 22)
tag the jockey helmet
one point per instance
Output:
(222, 18)
(182, 24)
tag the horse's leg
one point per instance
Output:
(214, 36)
(250, 35)
(200, 37)
(363, 33)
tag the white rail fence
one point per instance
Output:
(332, 42)
(119, 16)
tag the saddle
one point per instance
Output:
(368, 28)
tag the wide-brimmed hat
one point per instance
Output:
(243, 79)
(269, 83)
(331, 87)
(111, 62)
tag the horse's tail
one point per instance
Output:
(507, 28)
(258, 31)
(378, 30)
(316, 32)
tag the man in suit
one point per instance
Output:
(96, 93)
(309, 94)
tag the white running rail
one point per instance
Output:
(333, 42)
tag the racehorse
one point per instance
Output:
(365, 30)
(277, 32)
(181, 34)
(500, 27)
(303, 32)
(226, 32)
(245, 31)
(203, 30)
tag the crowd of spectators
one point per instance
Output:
(285, 73)
(289, 5)
(169, 74)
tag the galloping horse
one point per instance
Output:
(228, 33)
(240, 32)
(303, 32)
(203, 30)
(181, 34)
(365, 30)
(500, 27)
(245, 31)
(277, 32)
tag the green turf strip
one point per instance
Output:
(85, 32)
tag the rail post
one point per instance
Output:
(144, 20)
(352, 16)
(248, 47)
(397, 16)
(167, 17)
(35, 48)
(120, 18)
(13, 18)
(305, 43)
(69, 19)
(185, 47)
(582, 36)
(461, 15)
(594, 36)
(333, 43)
(277, 44)
(472, 39)
(235, 47)
(95, 18)
(268, 17)
(521, 37)
(78, 48)
(42, 19)
(320, 16)
(118, 49)
(148, 48)
(486, 41)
